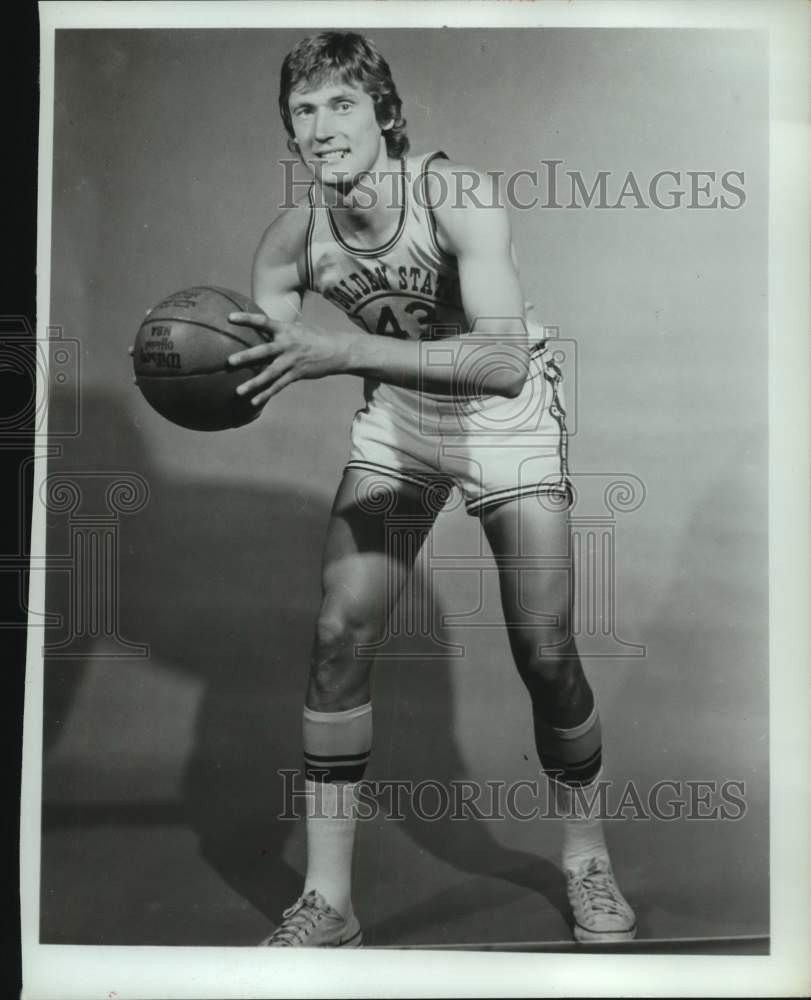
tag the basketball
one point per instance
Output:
(180, 359)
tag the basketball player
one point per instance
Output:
(411, 258)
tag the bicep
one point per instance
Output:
(479, 236)
(491, 293)
(276, 284)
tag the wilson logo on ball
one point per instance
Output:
(181, 356)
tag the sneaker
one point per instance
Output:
(312, 923)
(601, 912)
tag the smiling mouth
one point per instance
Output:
(332, 155)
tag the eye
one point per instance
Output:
(345, 106)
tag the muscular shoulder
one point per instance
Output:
(467, 204)
(278, 266)
(284, 239)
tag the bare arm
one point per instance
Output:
(276, 282)
(479, 237)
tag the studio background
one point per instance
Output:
(160, 774)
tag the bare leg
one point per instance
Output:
(363, 574)
(545, 653)
(538, 609)
(364, 569)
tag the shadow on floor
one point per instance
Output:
(222, 581)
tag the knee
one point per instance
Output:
(338, 634)
(552, 674)
(331, 635)
(339, 668)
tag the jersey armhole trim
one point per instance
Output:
(308, 244)
(426, 203)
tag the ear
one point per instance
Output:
(388, 126)
(293, 146)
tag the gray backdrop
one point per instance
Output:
(166, 172)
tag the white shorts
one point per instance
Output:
(492, 448)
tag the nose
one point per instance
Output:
(323, 124)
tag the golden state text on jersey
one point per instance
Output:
(406, 288)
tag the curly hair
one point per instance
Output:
(352, 59)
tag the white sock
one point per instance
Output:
(583, 837)
(330, 839)
(336, 748)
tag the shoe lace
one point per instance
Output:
(598, 890)
(298, 921)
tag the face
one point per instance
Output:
(337, 132)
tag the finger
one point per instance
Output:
(254, 355)
(277, 387)
(259, 320)
(264, 378)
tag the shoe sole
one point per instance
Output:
(585, 936)
(354, 942)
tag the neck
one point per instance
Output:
(367, 204)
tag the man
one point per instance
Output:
(413, 257)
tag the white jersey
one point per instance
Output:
(407, 288)
(493, 448)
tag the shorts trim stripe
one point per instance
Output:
(561, 489)
(426, 482)
(559, 415)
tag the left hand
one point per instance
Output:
(296, 351)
